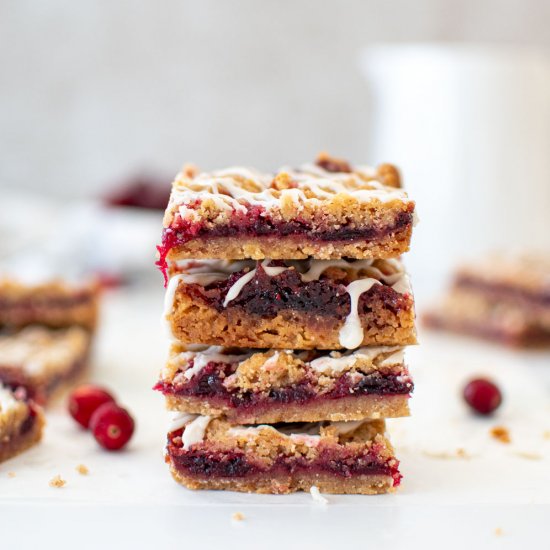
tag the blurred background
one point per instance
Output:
(96, 96)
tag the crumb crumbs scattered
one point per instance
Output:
(237, 516)
(443, 455)
(500, 433)
(11, 474)
(82, 470)
(317, 496)
(546, 434)
(498, 532)
(57, 481)
(528, 455)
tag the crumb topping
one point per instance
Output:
(267, 442)
(218, 195)
(261, 371)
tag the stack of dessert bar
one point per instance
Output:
(45, 336)
(288, 309)
(502, 297)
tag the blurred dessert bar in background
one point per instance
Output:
(255, 386)
(326, 210)
(336, 457)
(46, 333)
(43, 360)
(21, 422)
(55, 304)
(304, 304)
(503, 298)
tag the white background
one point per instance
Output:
(93, 90)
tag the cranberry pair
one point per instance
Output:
(94, 408)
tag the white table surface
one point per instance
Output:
(496, 497)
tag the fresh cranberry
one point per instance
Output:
(112, 426)
(84, 400)
(482, 395)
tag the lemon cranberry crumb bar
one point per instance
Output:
(304, 304)
(335, 457)
(42, 360)
(327, 210)
(255, 386)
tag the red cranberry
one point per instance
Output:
(482, 395)
(112, 426)
(84, 400)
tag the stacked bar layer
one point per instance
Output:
(304, 304)
(254, 386)
(336, 457)
(500, 298)
(326, 211)
(291, 284)
(21, 422)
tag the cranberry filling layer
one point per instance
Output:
(341, 462)
(254, 223)
(208, 383)
(267, 295)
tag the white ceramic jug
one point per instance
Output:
(470, 128)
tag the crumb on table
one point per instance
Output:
(529, 455)
(546, 434)
(11, 474)
(82, 470)
(500, 433)
(444, 455)
(237, 516)
(57, 481)
(498, 532)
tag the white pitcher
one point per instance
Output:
(470, 128)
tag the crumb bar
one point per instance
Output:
(328, 210)
(475, 314)
(42, 359)
(55, 304)
(21, 422)
(520, 281)
(336, 457)
(303, 304)
(253, 387)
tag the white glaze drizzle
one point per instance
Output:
(237, 287)
(335, 362)
(212, 354)
(225, 188)
(194, 431)
(179, 420)
(351, 334)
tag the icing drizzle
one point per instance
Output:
(233, 188)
